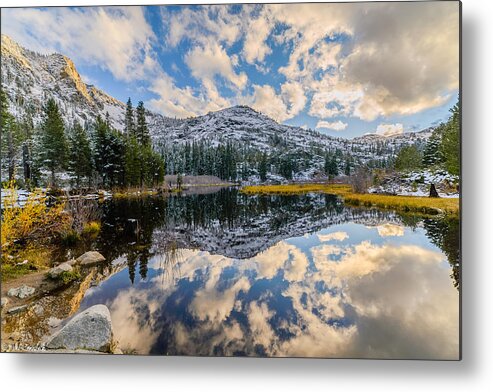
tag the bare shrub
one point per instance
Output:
(83, 212)
(361, 179)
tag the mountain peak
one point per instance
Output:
(236, 110)
(10, 48)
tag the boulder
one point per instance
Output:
(91, 257)
(17, 309)
(54, 322)
(55, 272)
(21, 292)
(89, 330)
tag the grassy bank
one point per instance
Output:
(293, 189)
(422, 205)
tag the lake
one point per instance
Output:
(229, 274)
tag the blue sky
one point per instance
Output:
(343, 69)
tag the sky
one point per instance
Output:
(343, 69)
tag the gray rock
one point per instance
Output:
(17, 309)
(54, 322)
(91, 257)
(5, 301)
(89, 330)
(71, 262)
(21, 292)
(38, 310)
(59, 269)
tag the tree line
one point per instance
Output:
(95, 155)
(442, 150)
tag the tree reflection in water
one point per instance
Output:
(445, 233)
(236, 225)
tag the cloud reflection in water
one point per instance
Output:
(329, 294)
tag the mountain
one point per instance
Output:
(30, 78)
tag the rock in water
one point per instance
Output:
(21, 292)
(56, 271)
(89, 330)
(91, 257)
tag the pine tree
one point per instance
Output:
(129, 119)
(142, 131)
(80, 155)
(54, 144)
(100, 139)
(450, 146)
(132, 162)
(109, 154)
(27, 127)
(115, 167)
(153, 173)
(286, 168)
(432, 154)
(347, 167)
(327, 164)
(262, 169)
(409, 158)
(333, 169)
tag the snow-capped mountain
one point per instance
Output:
(30, 78)
(246, 126)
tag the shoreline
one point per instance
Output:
(414, 204)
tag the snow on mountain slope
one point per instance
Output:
(30, 78)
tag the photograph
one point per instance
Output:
(232, 180)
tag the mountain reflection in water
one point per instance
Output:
(228, 274)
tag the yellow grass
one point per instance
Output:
(293, 189)
(423, 205)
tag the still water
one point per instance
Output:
(304, 276)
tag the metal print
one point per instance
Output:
(263, 180)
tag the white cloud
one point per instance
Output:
(283, 256)
(258, 318)
(294, 96)
(255, 48)
(335, 126)
(390, 129)
(290, 102)
(212, 60)
(390, 230)
(335, 236)
(201, 24)
(334, 99)
(265, 100)
(181, 102)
